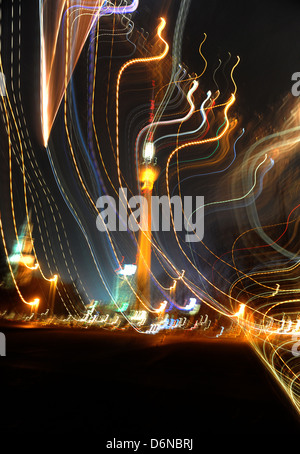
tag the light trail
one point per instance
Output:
(118, 129)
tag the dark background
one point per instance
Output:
(264, 34)
(57, 381)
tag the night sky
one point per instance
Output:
(263, 34)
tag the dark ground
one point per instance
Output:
(88, 381)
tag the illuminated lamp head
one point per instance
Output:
(149, 151)
(148, 175)
(128, 270)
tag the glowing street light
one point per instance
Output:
(128, 270)
(149, 151)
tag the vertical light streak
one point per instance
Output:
(123, 68)
(121, 71)
(231, 75)
(52, 79)
(80, 177)
(36, 301)
(16, 120)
